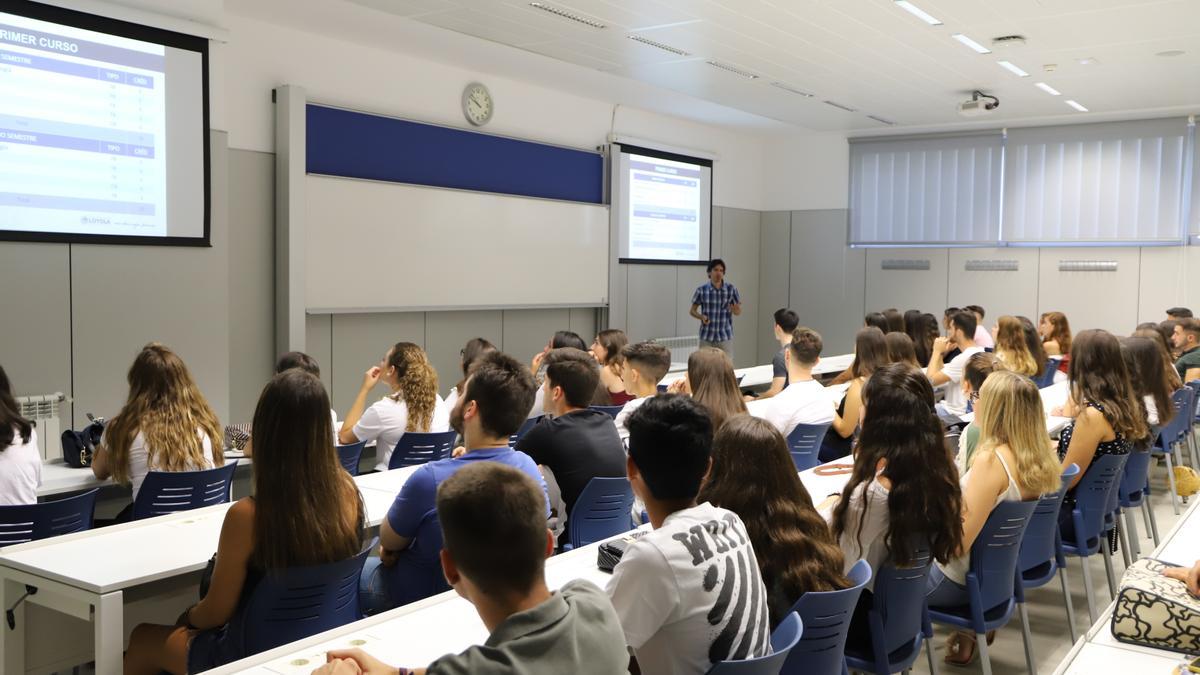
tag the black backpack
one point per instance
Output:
(79, 446)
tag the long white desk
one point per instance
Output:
(760, 376)
(59, 478)
(416, 634)
(1052, 397)
(1098, 651)
(86, 574)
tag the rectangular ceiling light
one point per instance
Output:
(918, 12)
(786, 87)
(841, 106)
(732, 69)
(1048, 89)
(881, 120)
(1076, 106)
(1008, 65)
(658, 45)
(567, 14)
(971, 43)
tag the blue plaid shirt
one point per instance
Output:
(714, 303)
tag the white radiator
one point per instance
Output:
(45, 409)
(681, 348)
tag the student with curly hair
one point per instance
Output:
(753, 475)
(412, 405)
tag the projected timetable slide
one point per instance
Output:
(82, 131)
(664, 209)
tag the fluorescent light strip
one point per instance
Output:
(881, 120)
(733, 69)
(567, 14)
(658, 45)
(971, 43)
(841, 106)
(918, 12)
(1048, 89)
(1010, 67)
(789, 88)
(1076, 106)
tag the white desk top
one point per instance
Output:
(59, 478)
(1052, 396)
(403, 636)
(758, 376)
(159, 548)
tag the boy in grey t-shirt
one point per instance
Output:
(493, 520)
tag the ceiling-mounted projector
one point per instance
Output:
(979, 104)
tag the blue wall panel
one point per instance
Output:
(360, 145)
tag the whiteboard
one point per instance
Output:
(374, 246)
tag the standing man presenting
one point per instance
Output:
(715, 304)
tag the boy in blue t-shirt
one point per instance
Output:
(492, 406)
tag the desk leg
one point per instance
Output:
(12, 644)
(108, 625)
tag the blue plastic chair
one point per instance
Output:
(1041, 557)
(804, 442)
(826, 616)
(1092, 495)
(898, 619)
(1133, 492)
(601, 512)
(350, 455)
(1189, 434)
(783, 640)
(1047, 377)
(30, 522)
(992, 578)
(171, 491)
(416, 447)
(610, 410)
(525, 427)
(298, 602)
(1172, 434)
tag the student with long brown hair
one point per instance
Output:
(903, 492)
(1012, 463)
(1164, 349)
(166, 424)
(305, 511)
(1036, 349)
(711, 382)
(1011, 348)
(901, 349)
(606, 349)
(1147, 376)
(870, 354)
(753, 475)
(412, 405)
(1107, 417)
(923, 330)
(1056, 337)
(20, 460)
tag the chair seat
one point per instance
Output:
(959, 616)
(1036, 577)
(859, 657)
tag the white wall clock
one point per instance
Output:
(477, 104)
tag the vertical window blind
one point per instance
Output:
(1095, 183)
(1118, 182)
(926, 190)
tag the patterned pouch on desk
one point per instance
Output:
(1155, 611)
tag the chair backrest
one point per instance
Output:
(350, 455)
(610, 410)
(1092, 496)
(1047, 377)
(294, 603)
(1040, 544)
(898, 604)
(170, 491)
(1182, 399)
(525, 427)
(1189, 406)
(804, 442)
(1194, 385)
(995, 551)
(783, 640)
(416, 447)
(1131, 489)
(31, 522)
(826, 617)
(601, 511)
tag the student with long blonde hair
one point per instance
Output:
(1011, 348)
(1013, 462)
(711, 382)
(412, 405)
(166, 424)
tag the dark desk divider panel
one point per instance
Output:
(359, 145)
